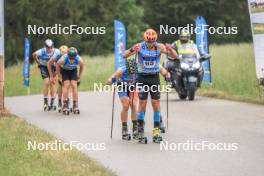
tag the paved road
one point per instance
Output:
(205, 119)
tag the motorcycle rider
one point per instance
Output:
(185, 47)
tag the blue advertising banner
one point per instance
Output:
(202, 44)
(26, 69)
(120, 43)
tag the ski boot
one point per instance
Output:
(140, 136)
(125, 134)
(51, 106)
(162, 127)
(135, 131)
(69, 105)
(75, 108)
(45, 106)
(157, 138)
(59, 106)
(65, 109)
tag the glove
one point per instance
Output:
(135, 47)
(52, 81)
(168, 47)
(78, 83)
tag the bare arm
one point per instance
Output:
(35, 57)
(58, 64)
(171, 52)
(163, 71)
(130, 51)
(81, 64)
(50, 62)
(116, 75)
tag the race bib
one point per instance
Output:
(149, 64)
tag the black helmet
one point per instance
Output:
(48, 43)
(72, 52)
(131, 66)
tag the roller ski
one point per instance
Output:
(59, 106)
(140, 136)
(125, 134)
(65, 109)
(45, 106)
(75, 108)
(157, 138)
(51, 106)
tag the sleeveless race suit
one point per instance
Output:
(44, 57)
(148, 72)
(69, 69)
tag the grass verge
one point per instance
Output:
(16, 159)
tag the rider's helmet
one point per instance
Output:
(72, 52)
(48, 43)
(63, 49)
(131, 66)
(150, 35)
(184, 36)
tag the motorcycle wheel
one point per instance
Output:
(191, 91)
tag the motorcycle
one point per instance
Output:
(186, 74)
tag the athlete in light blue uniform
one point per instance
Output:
(126, 78)
(148, 59)
(67, 66)
(41, 57)
(53, 61)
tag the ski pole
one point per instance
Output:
(113, 112)
(167, 102)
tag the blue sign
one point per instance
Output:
(202, 44)
(26, 68)
(120, 43)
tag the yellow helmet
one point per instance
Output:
(185, 35)
(63, 49)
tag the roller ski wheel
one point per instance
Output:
(66, 112)
(126, 137)
(76, 111)
(157, 138)
(52, 108)
(141, 138)
(65, 109)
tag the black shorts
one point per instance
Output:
(69, 75)
(149, 83)
(44, 71)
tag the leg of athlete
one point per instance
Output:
(74, 96)
(133, 106)
(124, 114)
